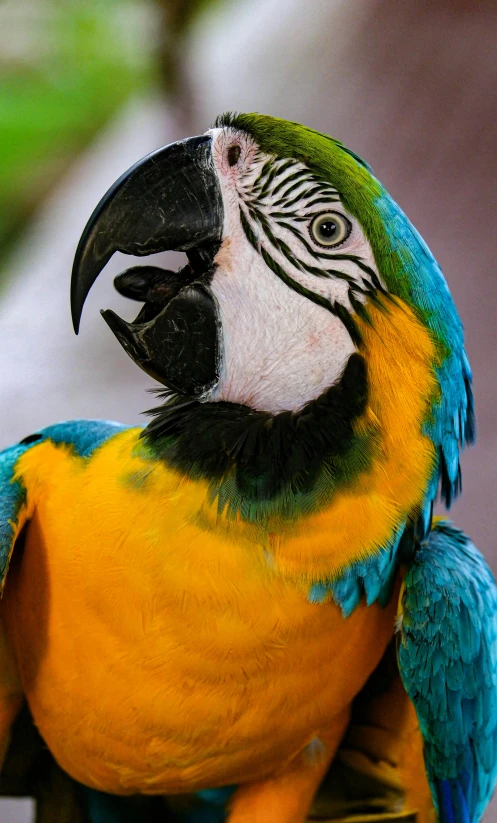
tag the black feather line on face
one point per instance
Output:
(298, 234)
(267, 183)
(262, 176)
(335, 308)
(298, 179)
(266, 454)
(288, 179)
(249, 234)
(322, 201)
(283, 219)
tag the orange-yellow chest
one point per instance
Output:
(164, 648)
(158, 653)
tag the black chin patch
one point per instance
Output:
(262, 454)
(178, 344)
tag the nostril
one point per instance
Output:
(233, 155)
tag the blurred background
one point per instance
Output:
(89, 86)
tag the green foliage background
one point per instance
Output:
(79, 60)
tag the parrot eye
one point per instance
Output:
(233, 155)
(330, 229)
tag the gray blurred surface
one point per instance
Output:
(17, 810)
(410, 86)
(47, 373)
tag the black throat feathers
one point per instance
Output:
(263, 456)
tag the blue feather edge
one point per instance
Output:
(447, 658)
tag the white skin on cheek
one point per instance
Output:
(279, 349)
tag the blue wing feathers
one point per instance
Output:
(372, 578)
(448, 661)
(83, 435)
(445, 802)
(12, 499)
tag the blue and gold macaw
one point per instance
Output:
(209, 606)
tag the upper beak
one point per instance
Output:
(169, 200)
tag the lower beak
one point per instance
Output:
(169, 200)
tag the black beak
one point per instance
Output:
(169, 200)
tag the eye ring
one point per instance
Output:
(233, 154)
(329, 229)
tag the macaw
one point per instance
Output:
(250, 598)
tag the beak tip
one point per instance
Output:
(75, 322)
(76, 311)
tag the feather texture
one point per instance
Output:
(448, 662)
(84, 436)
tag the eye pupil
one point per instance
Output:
(327, 229)
(233, 155)
(330, 229)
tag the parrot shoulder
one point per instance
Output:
(82, 436)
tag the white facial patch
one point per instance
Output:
(281, 346)
(279, 350)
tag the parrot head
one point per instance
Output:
(305, 281)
